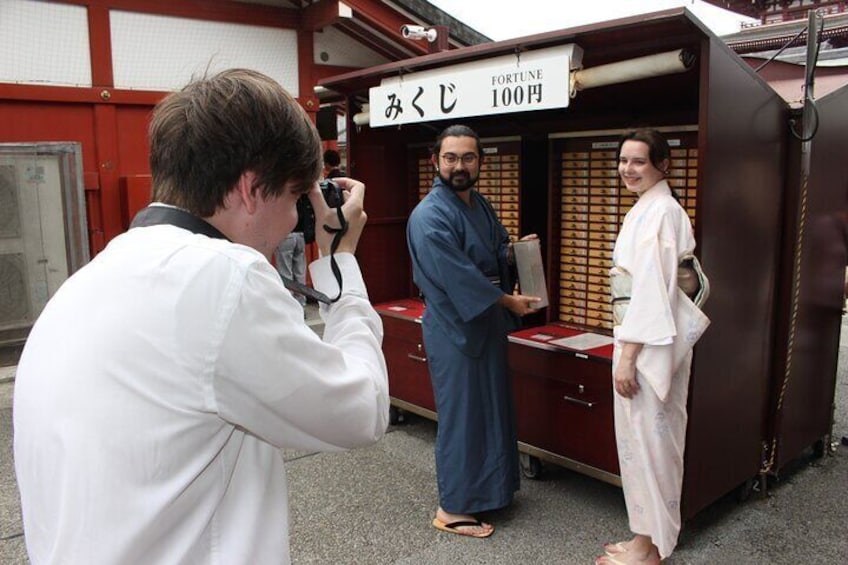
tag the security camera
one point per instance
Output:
(418, 32)
(412, 32)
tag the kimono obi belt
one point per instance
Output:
(690, 279)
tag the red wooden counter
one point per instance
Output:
(403, 347)
(562, 385)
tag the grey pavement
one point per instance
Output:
(374, 506)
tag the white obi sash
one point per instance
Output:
(689, 321)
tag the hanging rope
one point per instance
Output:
(771, 450)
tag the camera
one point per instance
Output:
(410, 31)
(334, 198)
(332, 193)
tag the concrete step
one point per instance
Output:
(10, 354)
(11, 345)
(7, 374)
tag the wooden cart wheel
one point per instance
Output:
(396, 416)
(820, 448)
(744, 491)
(531, 467)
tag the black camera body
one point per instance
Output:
(334, 198)
(332, 193)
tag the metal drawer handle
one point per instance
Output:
(415, 357)
(578, 401)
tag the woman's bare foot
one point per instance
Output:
(639, 550)
(614, 548)
(634, 554)
(453, 523)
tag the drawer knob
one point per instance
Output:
(420, 358)
(578, 401)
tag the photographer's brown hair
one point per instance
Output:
(203, 137)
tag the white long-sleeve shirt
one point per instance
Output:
(156, 390)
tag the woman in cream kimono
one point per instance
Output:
(656, 325)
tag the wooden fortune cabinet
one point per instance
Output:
(553, 172)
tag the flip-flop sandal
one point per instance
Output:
(452, 527)
(613, 549)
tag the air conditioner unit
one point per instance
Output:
(15, 303)
(43, 228)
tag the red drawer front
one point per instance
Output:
(564, 405)
(399, 328)
(594, 374)
(406, 359)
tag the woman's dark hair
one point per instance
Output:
(658, 150)
(205, 136)
(458, 130)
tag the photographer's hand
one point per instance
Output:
(354, 194)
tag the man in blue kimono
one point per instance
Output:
(461, 259)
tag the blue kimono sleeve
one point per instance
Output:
(445, 267)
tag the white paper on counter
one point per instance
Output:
(583, 341)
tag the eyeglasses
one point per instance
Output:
(451, 159)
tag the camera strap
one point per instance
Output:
(165, 214)
(339, 234)
(310, 292)
(157, 214)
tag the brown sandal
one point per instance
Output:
(452, 527)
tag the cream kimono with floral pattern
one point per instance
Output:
(651, 426)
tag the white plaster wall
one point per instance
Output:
(332, 47)
(44, 43)
(151, 52)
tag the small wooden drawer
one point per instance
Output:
(406, 360)
(564, 405)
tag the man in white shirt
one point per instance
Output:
(159, 384)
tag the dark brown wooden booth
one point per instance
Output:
(735, 129)
(810, 299)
